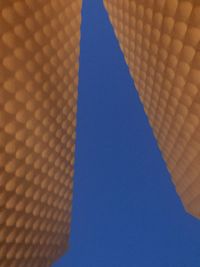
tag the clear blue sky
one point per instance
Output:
(125, 209)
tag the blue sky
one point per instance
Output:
(125, 209)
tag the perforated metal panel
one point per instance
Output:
(39, 54)
(160, 40)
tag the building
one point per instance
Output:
(39, 54)
(161, 44)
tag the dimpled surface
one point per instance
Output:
(161, 43)
(39, 53)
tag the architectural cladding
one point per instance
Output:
(161, 44)
(39, 53)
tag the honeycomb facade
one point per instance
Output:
(160, 40)
(39, 54)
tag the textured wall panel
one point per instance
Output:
(161, 43)
(39, 53)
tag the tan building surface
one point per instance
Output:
(160, 40)
(39, 55)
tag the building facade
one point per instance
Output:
(161, 44)
(39, 54)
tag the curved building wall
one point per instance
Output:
(160, 40)
(39, 59)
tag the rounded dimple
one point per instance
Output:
(183, 68)
(184, 10)
(171, 7)
(194, 119)
(31, 24)
(11, 106)
(21, 8)
(176, 46)
(10, 129)
(11, 86)
(9, 15)
(31, 105)
(39, 16)
(21, 53)
(11, 220)
(191, 89)
(11, 63)
(22, 96)
(193, 37)
(31, 66)
(31, 46)
(22, 75)
(180, 29)
(21, 32)
(10, 40)
(11, 147)
(166, 40)
(10, 185)
(40, 38)
(188, 53)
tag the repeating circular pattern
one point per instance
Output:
(39, 55)
(160, 40)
